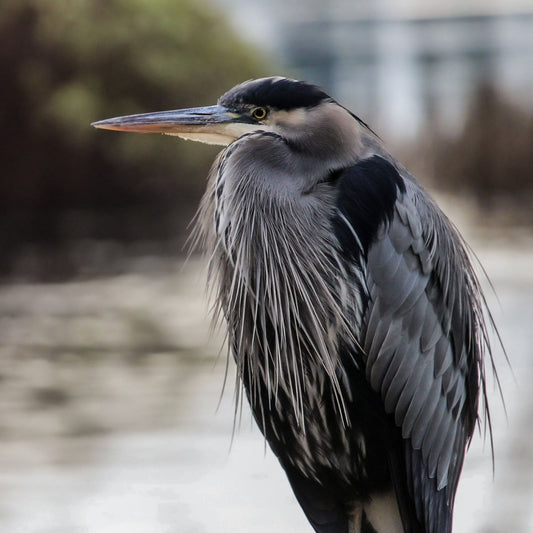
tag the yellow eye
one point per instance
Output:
(259, 113)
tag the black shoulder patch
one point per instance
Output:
(278, 93)
(367, 193)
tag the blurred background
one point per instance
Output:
(112, 414)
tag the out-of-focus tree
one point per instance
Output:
(65, 64)
(492, 159)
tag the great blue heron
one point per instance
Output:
(354, 315)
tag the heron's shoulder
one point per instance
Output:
(367, 195)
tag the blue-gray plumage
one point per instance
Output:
(353, 312)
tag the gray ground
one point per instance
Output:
(109, 420)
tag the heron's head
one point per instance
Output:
(299, 112)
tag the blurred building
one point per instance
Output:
(398, 63)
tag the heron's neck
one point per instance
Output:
(279, 285)
(332, 138)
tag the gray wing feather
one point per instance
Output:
(400, 369)
(419, 400)
(426, 413)
(409, 389)
(417, 338)
(432, 439)
(443, 356)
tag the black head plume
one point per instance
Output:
(274, 92)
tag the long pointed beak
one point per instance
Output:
(213, 124)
